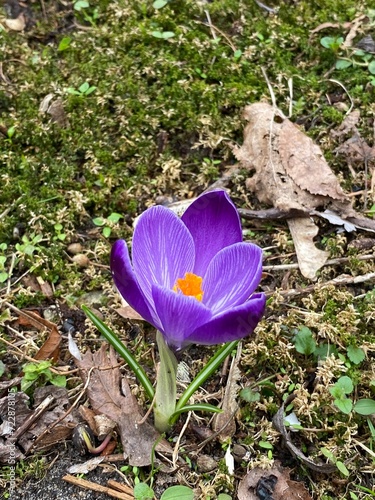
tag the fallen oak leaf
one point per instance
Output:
(110, 395)
(305, 164)
(287, 176)
(291, 175)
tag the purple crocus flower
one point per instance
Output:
(192, 278)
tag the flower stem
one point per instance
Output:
(203, 375)
(165, 394)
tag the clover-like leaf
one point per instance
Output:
(365, 407)
(356, 354)
(304, 341)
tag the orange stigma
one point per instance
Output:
(190, 285)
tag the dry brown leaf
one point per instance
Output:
(272, 483)
(33, 426)
(225, 420)
(128, 312)
(367, 44)
(60, 416)
(109, 394)
(17, 24)
(291, 175)
(355, 25)
(281, 165)
(305, 164)
(51, 347)
(324, 26)
(87, 466)
(349, 124)
(55, 108)
(310, 258)
(356, 149)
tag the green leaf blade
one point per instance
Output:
(304, 341)
(356, 354)
(364, 407)
(180, 492)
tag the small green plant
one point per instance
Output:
(247, 394)
(162, 34)
(40, 374)
(3, 273)
(29, 244)
(10, 133)
(159, 4)
(180, 492)
(340, 390)
(84, 90)
(83, 7)
(332, 42)
(64, 43)
(201, 74)
(304, 342)
(142, 491)
(355, 354)
(59, 234)
(371, 211)
(340, 465)
(347, 59)
(107, 223)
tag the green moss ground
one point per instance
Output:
(160, 107)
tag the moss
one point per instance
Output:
(158, 101)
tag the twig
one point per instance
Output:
(347, 93)
(213, 27)
(370, 452)
(340, 281)
(265, 7)
(272, 214)
(332, 262)
(11, 267)
(89, 485)
(143, 420)
(119, 486)
(177, 446)
(39, 410)
(270, 90)
(210, 25)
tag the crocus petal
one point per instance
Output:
(232, 276)
(233, 324)
(214, 223)
(163, 250)
(126, 282)
(179, 315)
